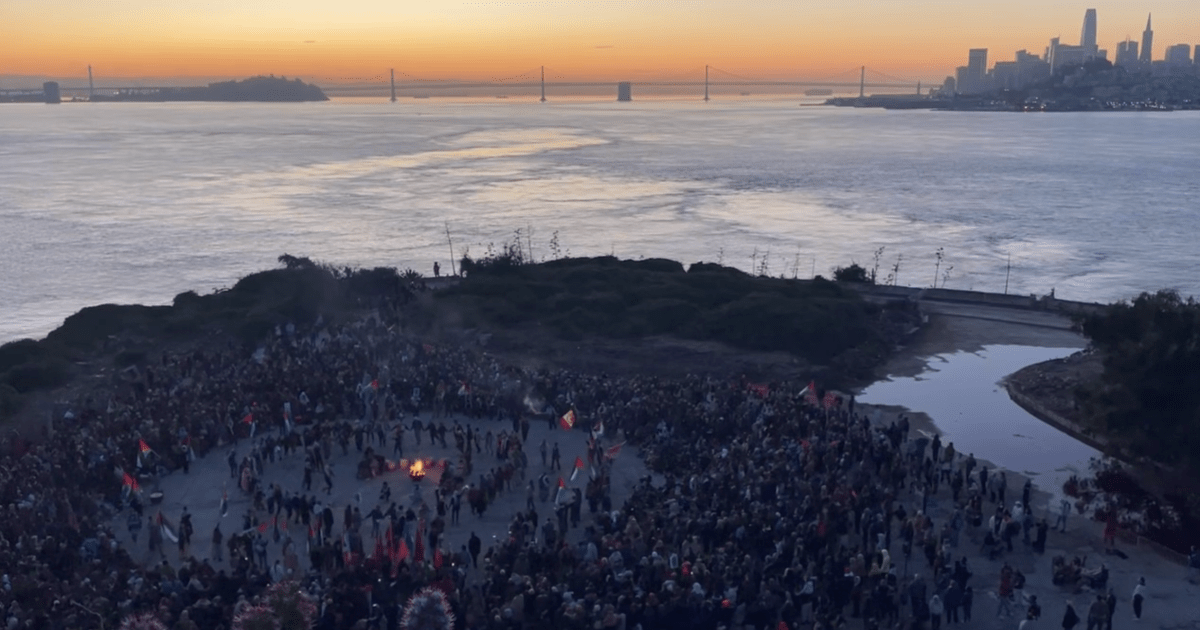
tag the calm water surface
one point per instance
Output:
(961, 393)
(137, 202)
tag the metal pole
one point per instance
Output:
(706, 83)
(1007, 272)
(862, 82)
(393, 85)
(91, 86)
(543, 84)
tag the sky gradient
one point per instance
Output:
(348, 41)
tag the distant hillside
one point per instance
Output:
(260, 89)
(1101, 85)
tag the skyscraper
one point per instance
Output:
(1088, 39)
(1178, 56)
(1127, 53)
(1147, 42)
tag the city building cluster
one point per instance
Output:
(1027, 68)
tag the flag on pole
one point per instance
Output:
(810, 395)
(760, 389)
(402, 552)
(613, 451)
(561, 484)
(248, 418)
(143, 447)
(168, 530)
(578, 467)
(830, 400)
(437, 558)
(375, 384)
(129, 481)
(567, 421)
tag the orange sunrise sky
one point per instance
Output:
(353, 40)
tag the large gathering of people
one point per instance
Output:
(769, 504)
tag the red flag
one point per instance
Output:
(830, 400)
(375, 384)
(567, 421)
(248, 418)
(578, 467)
(810, 393)
(437, 558)
(419, 553)
(757, 388)
(403, 552)
(561, 483)
(782, 626)
(145, 448)
(130, 481)
(612, 452)
(427, 348)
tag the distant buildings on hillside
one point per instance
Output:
(1028, 68)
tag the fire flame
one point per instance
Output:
(417, 470)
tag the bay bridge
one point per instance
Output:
(859, 78)
(702, 82)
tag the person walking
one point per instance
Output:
(1070, 617)
(1139, 596)
(1110, 604)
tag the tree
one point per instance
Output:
(853, 273)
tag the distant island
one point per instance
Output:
(1097, 85)
(260, 89)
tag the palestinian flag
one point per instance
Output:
(248, 418)
(375, 384)
(567, 421)
(129, 481)
(437, 558)
(561, 484)
(810, 393)
(830, 400)
(168, 530)
(143, 447)
(760, 389)
(613, 451)
(578, 467)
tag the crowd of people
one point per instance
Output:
(773, 505)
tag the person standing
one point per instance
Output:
(1070, 617)
(1110, 603)
(1005, 592)
(1139, 597)
(474, 545)
(936, 610)
(1097, 613)
(217, 539)
(1064, 510)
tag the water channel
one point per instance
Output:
(961, 393)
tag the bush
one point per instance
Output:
(853, 273)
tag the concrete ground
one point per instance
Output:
(201, 491)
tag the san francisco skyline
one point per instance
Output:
(356, 41)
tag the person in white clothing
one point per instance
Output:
(1139, 596)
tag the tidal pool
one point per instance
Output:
(961, 393)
